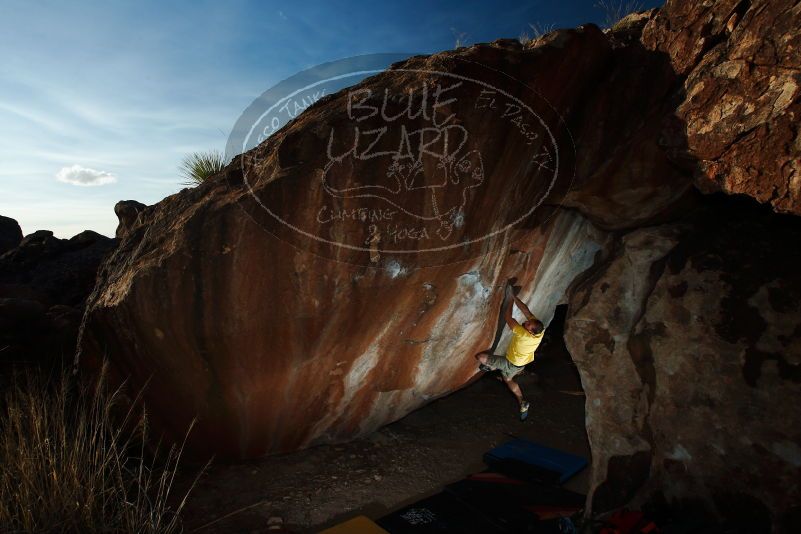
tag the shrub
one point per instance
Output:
(68, 464)
(197, 167)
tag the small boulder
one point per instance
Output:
(39, 237)
(10, 234)
(52, 270)
(127, 212)
(85, 239)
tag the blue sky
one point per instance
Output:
(117, 92)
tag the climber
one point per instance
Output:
(525, 340)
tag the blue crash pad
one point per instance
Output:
(564, 465)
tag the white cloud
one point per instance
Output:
(83, 176)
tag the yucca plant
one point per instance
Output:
(71, 462)
(197, 167)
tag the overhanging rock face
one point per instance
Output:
(271, 366)
(345, 271)
(282, 304)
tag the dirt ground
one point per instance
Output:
(397, 465)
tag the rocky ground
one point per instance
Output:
(400, 463)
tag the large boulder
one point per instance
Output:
(688, 342)
(10, 234)
(272, 356)
(283, 310)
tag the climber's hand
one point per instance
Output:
(511, 290)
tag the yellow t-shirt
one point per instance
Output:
(521, 348)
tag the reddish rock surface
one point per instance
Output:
(287, 340)
(741, 63)
(274, 366)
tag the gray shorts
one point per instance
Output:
(500, 363)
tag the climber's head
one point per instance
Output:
(534, 326)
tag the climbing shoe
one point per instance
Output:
(524, 410)
(484, 367)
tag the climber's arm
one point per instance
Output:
(507, 312)
(524, 309)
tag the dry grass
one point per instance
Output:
(70, 462)
(460, 38)
(537, 31)
(614, 10)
